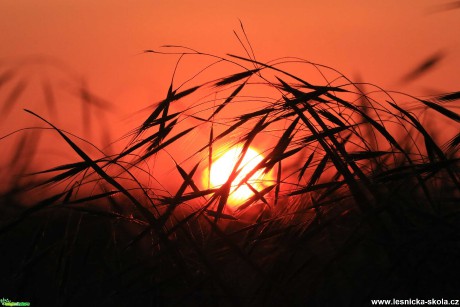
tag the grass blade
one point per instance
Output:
(448, 113)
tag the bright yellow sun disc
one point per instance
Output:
(222, 168)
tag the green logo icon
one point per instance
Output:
(7, 302)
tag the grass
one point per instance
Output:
(363, 203)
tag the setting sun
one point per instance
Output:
(223, 166)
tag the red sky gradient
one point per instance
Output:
(379, 40)
(376, 41)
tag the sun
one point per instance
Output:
(223, 166)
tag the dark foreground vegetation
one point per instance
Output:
(364, 201)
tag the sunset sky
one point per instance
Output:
(379, 40)
(375, 41)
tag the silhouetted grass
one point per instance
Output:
(363, 203)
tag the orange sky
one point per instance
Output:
(377, 41)
(380, 40)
